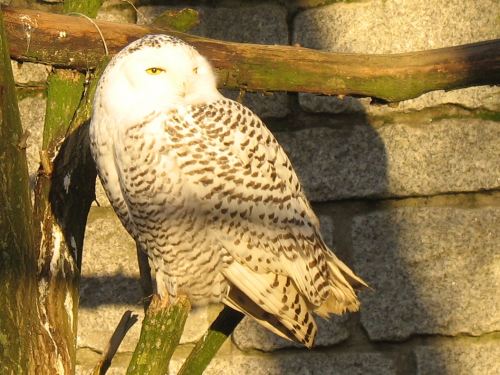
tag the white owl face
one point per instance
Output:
(152, 74)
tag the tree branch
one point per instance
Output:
(160, 334)
(74, 42)
(208, 346)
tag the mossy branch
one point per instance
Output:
(210, 343)
(77, 44)
(63, 194)
(160, 334)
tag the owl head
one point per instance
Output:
(154, 73)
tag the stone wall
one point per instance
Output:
(407, 194)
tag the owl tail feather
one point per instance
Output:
(273, 301)
(343, 283)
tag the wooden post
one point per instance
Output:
(19, 316)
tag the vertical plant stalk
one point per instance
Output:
(160, 334)
(126, 322)
(19, 324)
(208, 346)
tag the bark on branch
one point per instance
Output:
(19, 317)
(160, 334)
(71, 41)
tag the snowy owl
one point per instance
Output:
(207, 192)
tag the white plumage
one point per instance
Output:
(204, 188)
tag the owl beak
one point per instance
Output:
(184, 89)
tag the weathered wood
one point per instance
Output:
(63, 194)
(160, 334)
(19, 323)
(207, 347)
(75, 42)
(57, 271)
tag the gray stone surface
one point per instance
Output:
(110, 286)
(262, 24)
(483, 97)
(434, 270)
(395, 160)
(101, 199)
(461, 358)
(110, 282)
(251, 335)
(301, 363)
(327, 229)
(117, 11)
(263, 104)
(337, 163)
(32, 111)
(30, 72)
(296, 363)
(392, 26)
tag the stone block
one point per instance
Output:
(395, 26)
(450, 155)
(327, 229)
(461, 358)
(262, 24)
(101, 200)
(251, 335)
(117, 11)
(263, 105)
(433, 270)
(300, 363)
(27, 72)
(482, 98)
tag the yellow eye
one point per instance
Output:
(155, 71)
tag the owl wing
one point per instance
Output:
(251, 198)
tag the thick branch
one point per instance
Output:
(75, 42)
(160, 334)
(63, 195)
(18, 312)
(208, 346)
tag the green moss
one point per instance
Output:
(160, 334)
(489, 115)
(432, 114)
(29, 91)
(65, 89)
(182, 20)
(88, 7)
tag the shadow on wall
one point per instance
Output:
(343, 163)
